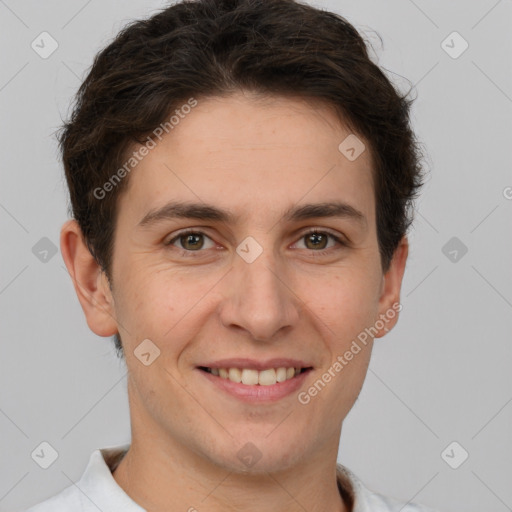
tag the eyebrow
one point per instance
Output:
(202, 211)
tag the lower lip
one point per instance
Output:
(257, 393)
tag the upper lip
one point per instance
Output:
(257, 364)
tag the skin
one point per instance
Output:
(256, 157)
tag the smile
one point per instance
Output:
(248, 387)
(252, 377)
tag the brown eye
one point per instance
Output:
(317, 240)
(190, 241)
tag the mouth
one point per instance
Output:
(253, 386)
(254, 377)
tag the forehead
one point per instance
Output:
(243, 151)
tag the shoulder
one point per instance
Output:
(366, 500)
(96, 490)
(66, 500)
(378, 502)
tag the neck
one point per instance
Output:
(154, 479)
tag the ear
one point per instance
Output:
(389, 302)
(91, 284)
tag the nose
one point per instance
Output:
(259, 299)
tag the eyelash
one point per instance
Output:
(321, 252)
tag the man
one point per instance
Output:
(241, 177)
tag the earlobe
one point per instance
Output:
(89, 281)
(389, 302)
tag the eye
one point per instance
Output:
(191, 241)
(317, 239)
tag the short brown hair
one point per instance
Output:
(201, 48)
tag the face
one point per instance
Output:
(249, 281)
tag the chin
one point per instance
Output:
(258, 457)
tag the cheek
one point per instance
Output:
(345, 311)
(161, 305)
(346, 301)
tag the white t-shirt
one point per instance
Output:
(97, 490)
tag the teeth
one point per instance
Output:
(282, 373)
(253, 377)
(267, 377)
(249, 377)
(235, 375)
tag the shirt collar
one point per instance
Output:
(99, 486)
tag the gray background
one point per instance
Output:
(442, 375)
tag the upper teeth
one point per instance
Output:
(253, 377)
